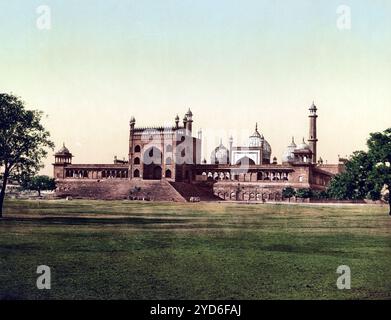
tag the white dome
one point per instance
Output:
(288, 155)
(220, 155)
(257, 139)
(303, 146)
(63, 150)
(267, 150)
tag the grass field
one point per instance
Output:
(130, 250)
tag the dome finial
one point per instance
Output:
(63, 150)
(313, 108)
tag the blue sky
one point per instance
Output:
(233, 62)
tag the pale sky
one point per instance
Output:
(233, 63)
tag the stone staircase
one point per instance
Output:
(188, 190)
(153, 190)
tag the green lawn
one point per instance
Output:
(130, 250)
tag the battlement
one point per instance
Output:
(158, 129)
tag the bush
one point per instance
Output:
(304, 193)
(374, 195)
(288, 192)
(386, 197)
(38, 183)
(319, 195)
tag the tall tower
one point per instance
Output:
(200, 134)
(231, 141)
(132, 123)
(177, 122)
(312, 139)
(62, 158)
(189, 123)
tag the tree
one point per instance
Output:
(366, 172)
(39, 183)
(379, 151)
(341, 186)
(319, 195)
(387, 196)
(304, 193)
(23, 141)
(353, 184)
(288, 192)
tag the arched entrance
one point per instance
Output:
(245, 161)
(157, 173)
(168, 173)
(152, 160)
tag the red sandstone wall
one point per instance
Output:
(117, 189)
(332, 168)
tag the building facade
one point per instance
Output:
(173, 155)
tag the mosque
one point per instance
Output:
(164, 163)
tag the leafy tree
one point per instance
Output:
(304, 193)
(288, 192)
(366, 172)
(387, 196)
(341, 186)
(353, 184)
(319, 195)
(374, 195)
(39, 183)
(323, 195)
(23, 141)
(379, 150)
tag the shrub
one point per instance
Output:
(304, 193)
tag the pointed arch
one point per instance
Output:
(245, 161)
(168, 173)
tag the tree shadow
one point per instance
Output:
(92, 221)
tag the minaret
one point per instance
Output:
(177, 122)
(132, 123)
(312, 140)
(200, 134)
(231, 141)
(262, 140)
(189, 123)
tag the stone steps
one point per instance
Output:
(188, 190)
(154, 190)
